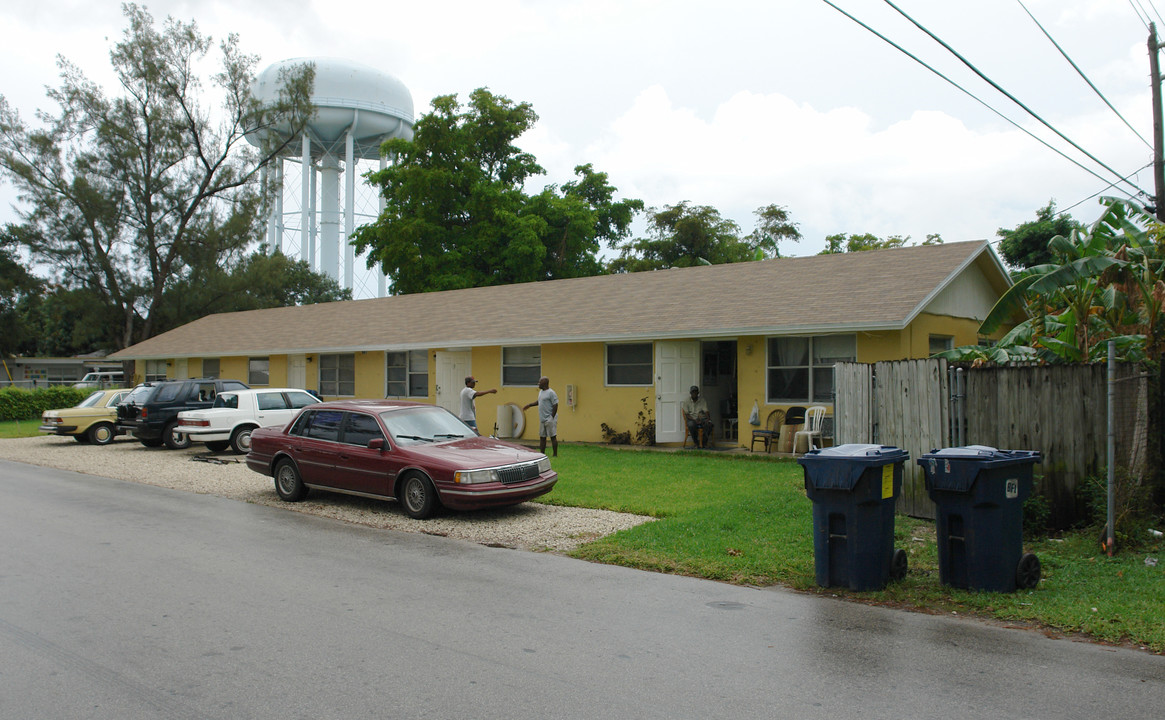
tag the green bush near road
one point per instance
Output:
(21, 404)
(745, 519)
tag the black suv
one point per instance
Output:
(150, 412)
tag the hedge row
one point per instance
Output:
(21, 404)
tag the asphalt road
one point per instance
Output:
(121, 600)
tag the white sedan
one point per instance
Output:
(229, 422)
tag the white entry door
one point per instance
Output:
(297, 371)
(181, 368)
(677, 366)
(452, 367)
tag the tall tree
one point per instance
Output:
(127, 193)
(683, 235)
(844, 243)
(260, 280)
(1026, 245)
(456, 214)
(17, 288)
(772, 226)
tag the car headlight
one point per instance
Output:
(544, 465)
(474, 477)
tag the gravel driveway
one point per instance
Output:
(529, 526)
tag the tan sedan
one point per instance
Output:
(93, 421)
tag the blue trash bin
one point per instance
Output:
(853, 489)
(978, 492)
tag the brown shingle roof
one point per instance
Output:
(881, 289)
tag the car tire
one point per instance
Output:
(152, 442)
(417, 496)
(175, 440)
(217, 445)
(241, 439)
(288, 484)
(101, 433)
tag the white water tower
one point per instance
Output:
(357, 108)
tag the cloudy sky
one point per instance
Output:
(735, 104)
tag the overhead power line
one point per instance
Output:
(1082, 75)
(1011, 97)
(971, 95)
(1111, 184)
(1140, 13)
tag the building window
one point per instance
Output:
(941, 343)
(521, 366)
(338, 374)
(987, 342)
(210, 368)
(800, 369)
(259, 371)
(629, 364)
(407, 374)
(155, 370)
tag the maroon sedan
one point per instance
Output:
(421, 455)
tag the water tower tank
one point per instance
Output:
(356, 109)
(374, 105)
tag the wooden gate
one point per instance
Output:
(904, 404)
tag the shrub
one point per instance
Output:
(20, 404)
(1037, 511)
(1132, 508)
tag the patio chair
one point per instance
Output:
(771, 432)
(813, 420)
(711, 437)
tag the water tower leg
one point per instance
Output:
(304, 196)
(312, 230)
(349, 205)
(381, 278)
(265, 182)
(278, 247)
(330, 217)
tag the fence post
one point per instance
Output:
(1110, 541)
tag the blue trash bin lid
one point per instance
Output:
(956, 469)
(983, 454)
(840, 467)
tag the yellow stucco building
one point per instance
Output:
(613, 346)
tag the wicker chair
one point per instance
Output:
(771, 432)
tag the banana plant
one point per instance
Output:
(1107, 284)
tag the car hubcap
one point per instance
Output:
(103, 434)
(245, 442)
(286, 480)
(415, 495)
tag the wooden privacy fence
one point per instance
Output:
(918, 406)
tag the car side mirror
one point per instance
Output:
(376, 444)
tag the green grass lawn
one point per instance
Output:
(19, 428)
(745, 519)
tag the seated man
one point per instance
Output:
(695, 410)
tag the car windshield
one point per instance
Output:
(227, 400)
(92, 400)
(140, 394)
(424, 425)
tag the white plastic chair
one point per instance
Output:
(813, 418)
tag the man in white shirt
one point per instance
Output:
(697, 417)
(468, 407)
(547, 403)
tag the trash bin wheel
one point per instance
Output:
(1027, 575)
(898, 564)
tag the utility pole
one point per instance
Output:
(1158, 152)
